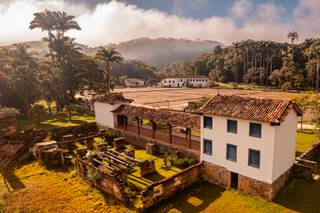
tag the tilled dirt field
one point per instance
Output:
(178, 98)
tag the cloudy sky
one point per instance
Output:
(105, 21)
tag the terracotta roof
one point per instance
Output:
(175, 118)
(113, 98)
(250, 108)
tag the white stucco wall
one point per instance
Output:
(220, 138)
(285, 145)
(104, 116)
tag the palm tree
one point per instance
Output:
(109, 55)
(45, 21)
(64, 23)
(293, 35)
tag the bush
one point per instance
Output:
(214, 85)
(183, 163)
(113, 134)
(285, 86)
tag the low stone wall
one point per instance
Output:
(311, 153)
(305, 169)
(304, 166)
(166, 188)
(110, 184)
(8, 127)
(16, 147)
(141, 142)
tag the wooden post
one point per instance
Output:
(170, 133)
(138, 122)
(153, 129)
(189, 137)
(125, 122)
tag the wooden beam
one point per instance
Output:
(189, 137)
(170, 133)
(153, 129)
(138, 122)
(125, 122)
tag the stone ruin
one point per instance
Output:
(49, 154)
(108, 168)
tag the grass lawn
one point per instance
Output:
(142, 182)
(304, 140)
(36, 189)
(55, 120)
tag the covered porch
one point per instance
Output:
(165, 126)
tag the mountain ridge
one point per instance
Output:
(156, 52)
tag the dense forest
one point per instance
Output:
(284, 65)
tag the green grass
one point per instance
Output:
(304, 140)
(36, 189)
(205, 197)
(54, 120)
(142, 182)
(246, 86)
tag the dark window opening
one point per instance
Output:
(255, 130)
(254, 158)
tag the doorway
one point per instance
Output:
(234, 180)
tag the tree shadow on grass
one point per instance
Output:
(300, 195)
(12, 182)
(193, 199)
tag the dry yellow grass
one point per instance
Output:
(53, 191)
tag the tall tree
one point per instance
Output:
(24, 77)
(109, 55)
(293, 36)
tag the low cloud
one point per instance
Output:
(115, 21)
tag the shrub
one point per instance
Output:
(183, 163)
(214, 85)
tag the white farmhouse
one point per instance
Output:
(104, 105)
(134, 82)
(248, 143)
(193, 81)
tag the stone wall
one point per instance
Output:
(141, 142)
(168, 187)
(16, 147)
(311, 153)
(8, 126)
(265, 190)
(281, 181)
(304, 166)
(305, 169)
(215, 174)
(221, 176)
(110, 184)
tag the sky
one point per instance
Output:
(111, 21)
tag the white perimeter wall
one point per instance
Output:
(104, 116)
(220, 138)
(285, 145)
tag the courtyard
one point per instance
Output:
(35, 188)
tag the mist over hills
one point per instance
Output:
(157, 52)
